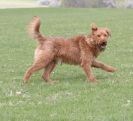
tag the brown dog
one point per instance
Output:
(80, 50)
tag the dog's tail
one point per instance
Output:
(34, 30)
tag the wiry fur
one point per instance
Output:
(80, 50)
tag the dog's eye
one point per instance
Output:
(98, 35)
(105, 35)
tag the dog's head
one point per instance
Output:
(100, 36)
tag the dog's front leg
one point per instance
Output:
(86, 65)
(103, 66)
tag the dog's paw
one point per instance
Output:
(91, 79)
(51, 82)
(93, 82)
(24, 81)
(112, 69)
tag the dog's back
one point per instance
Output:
(68, 49)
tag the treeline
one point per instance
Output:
(98, 3)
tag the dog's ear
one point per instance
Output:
(94, 27)
(108, 31)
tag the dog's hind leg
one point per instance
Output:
(32, 69)
(38, 64)
(48, 69)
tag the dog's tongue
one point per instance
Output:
(103, 46)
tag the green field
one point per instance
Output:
(72, 99)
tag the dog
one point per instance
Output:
(79, 50)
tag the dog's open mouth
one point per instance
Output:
(103, 45)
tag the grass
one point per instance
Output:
(72, 99)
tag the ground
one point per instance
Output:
(72, 99)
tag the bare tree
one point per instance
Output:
(110, 3)
(83, 3)
(88, 3)
(129, 4)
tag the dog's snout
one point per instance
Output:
(104, 43)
